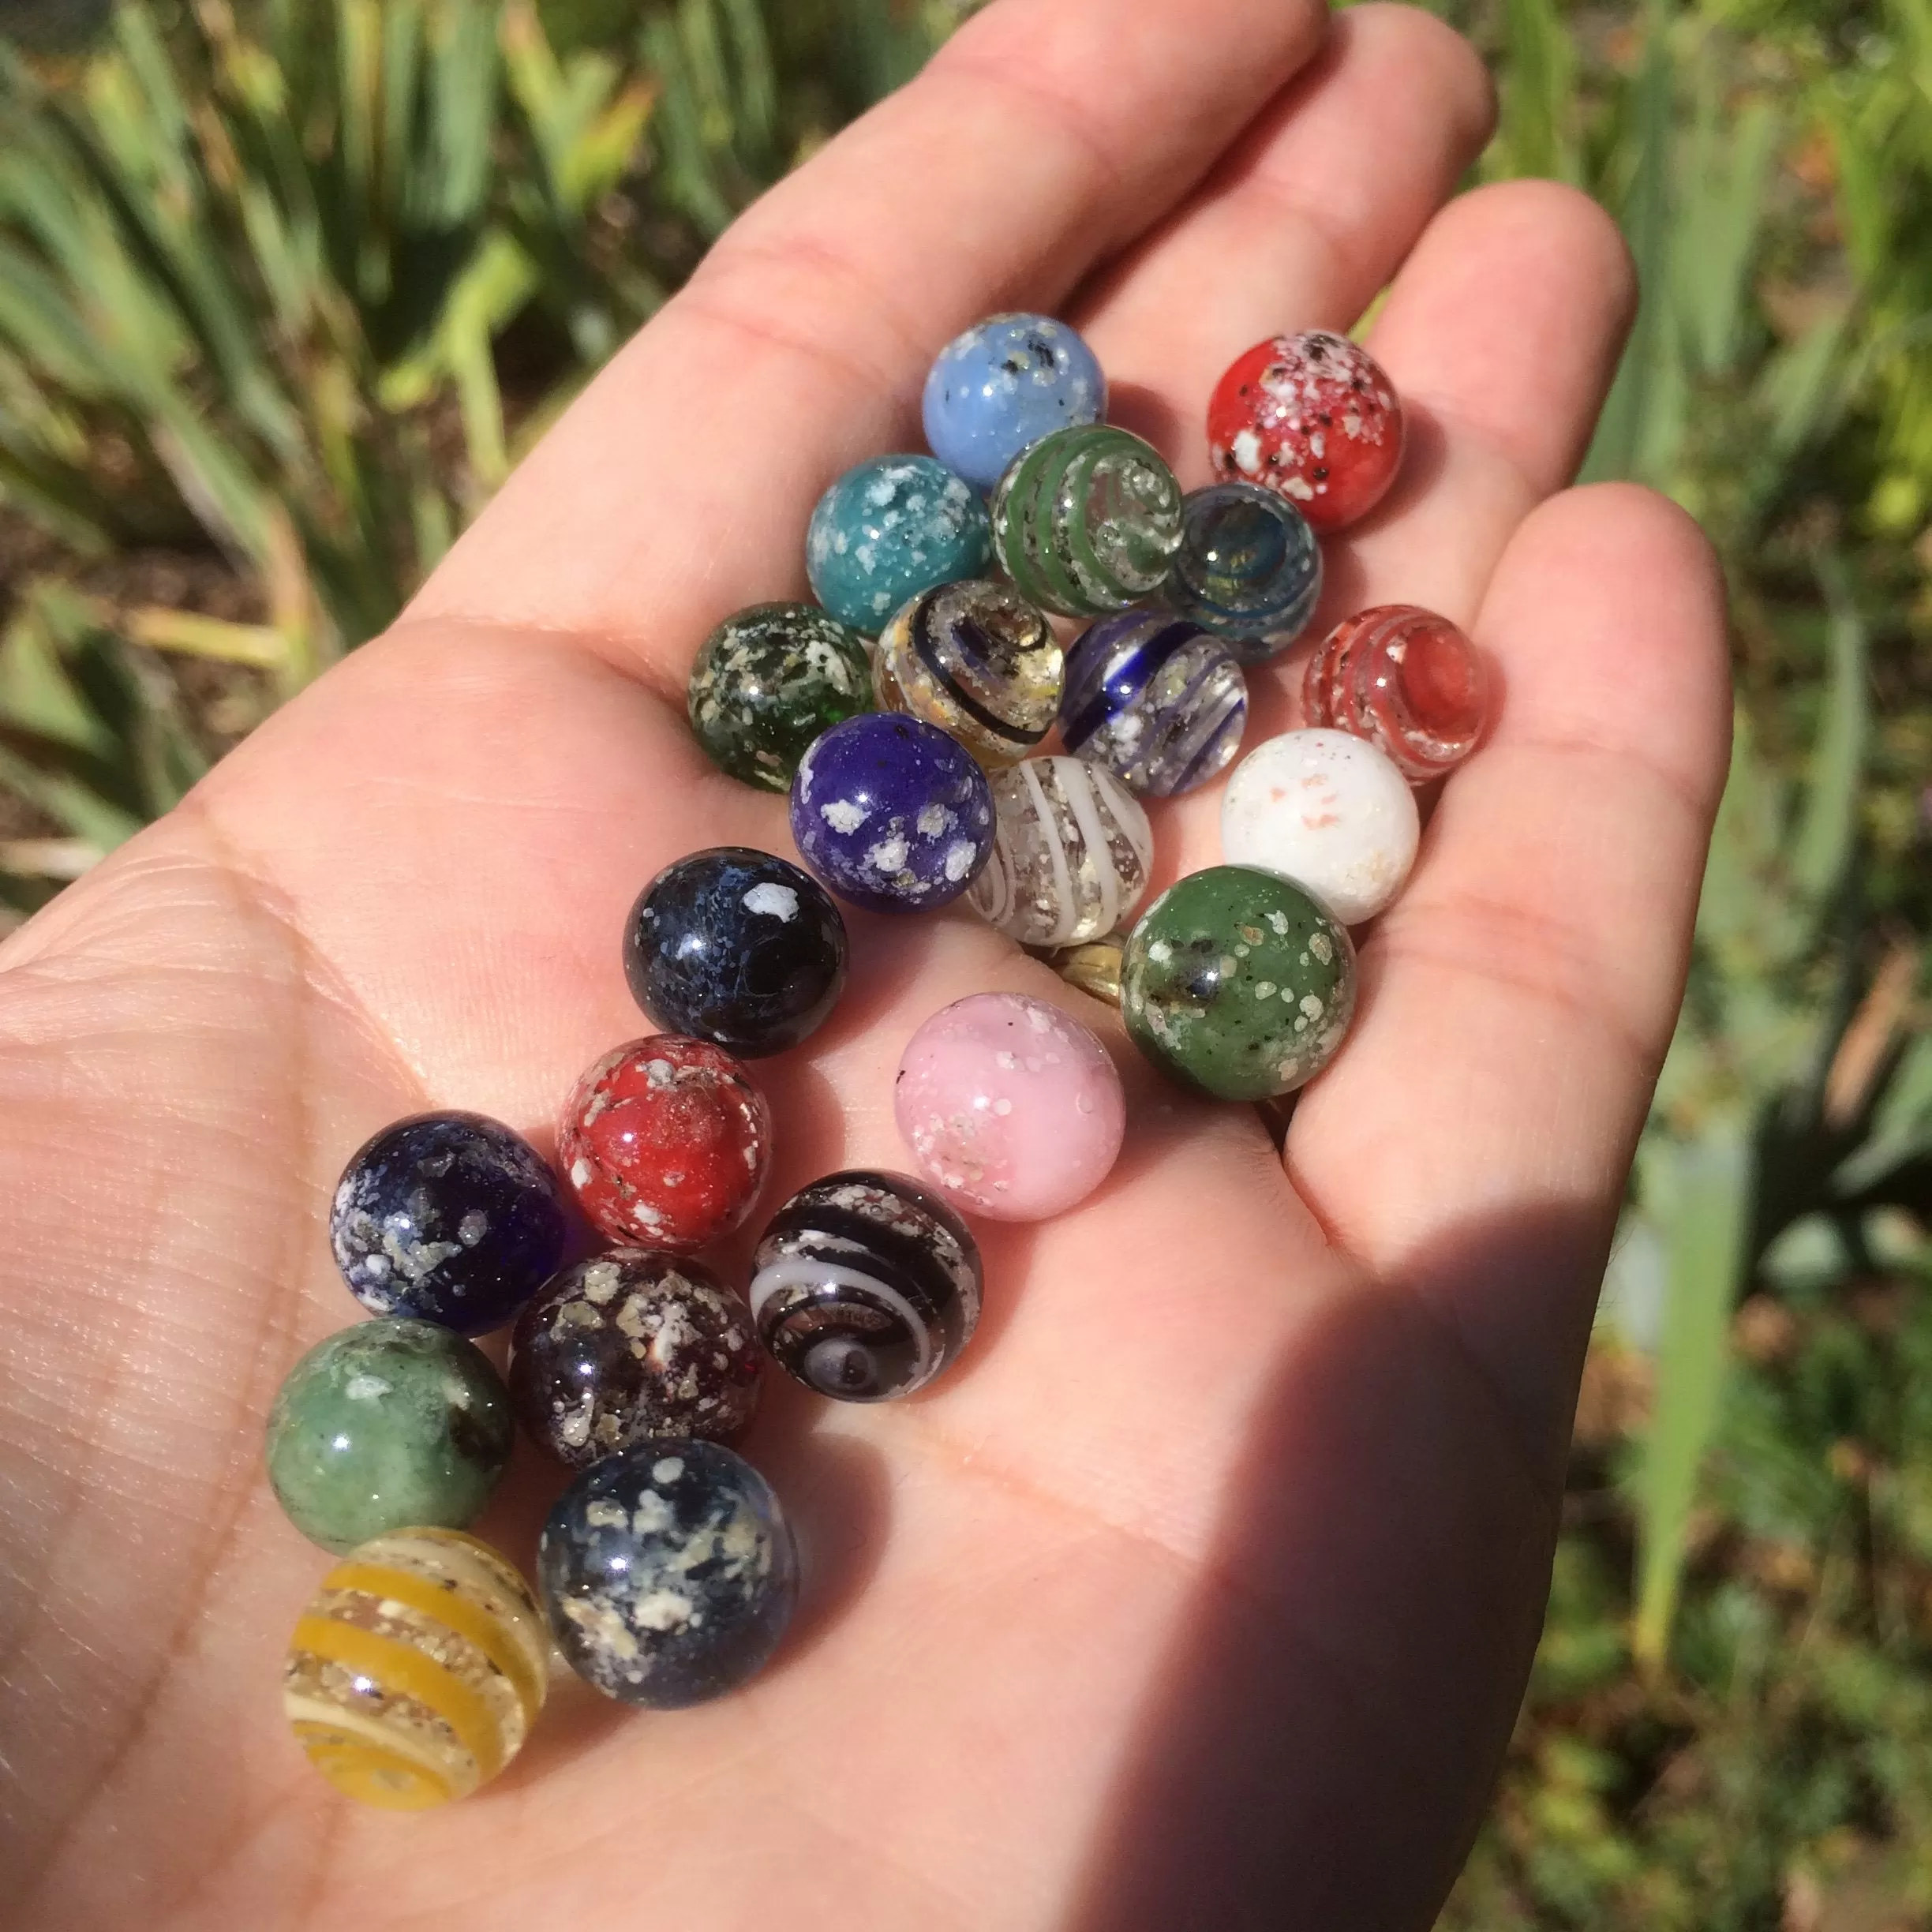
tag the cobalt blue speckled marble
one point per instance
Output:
(448, 1217)
(1159, 701)
(1004, 384)
(1249, 569)
(738, 947)
(890, 530)
(667, 1573)
(892, 813)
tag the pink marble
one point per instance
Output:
(1012, 1110)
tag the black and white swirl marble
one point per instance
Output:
(865, 1285)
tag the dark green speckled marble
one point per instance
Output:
(768, 681)
(393, 1423)
(1235, 981)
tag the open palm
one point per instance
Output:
(1201, 1592)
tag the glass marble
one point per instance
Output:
(738, 947)
(665, 1142)
(416, 1673)
(391, 1423)
(865, 1286)
(1086, 521)
(1329, 812)
(1072, 849)
(1248, 568)
(978, 661)
(1157, 700)
(1002, 386)
(892, 813)
(1093, 966)
(767, 681)
(889, 530)
(629, 1346)
(449, 1217)
(1312, 417)
(1237, 981)
(1013, 1109)
(1405, 679)
(667, 1573)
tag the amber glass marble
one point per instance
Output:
(415, 1674)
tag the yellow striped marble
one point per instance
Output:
(415, 1674)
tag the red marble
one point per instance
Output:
(1312, 417)
(1405, 679)
(665, 1143)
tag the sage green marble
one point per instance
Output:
(768, 681)
(1235, 981)
(394, 1424)
(1086, 521)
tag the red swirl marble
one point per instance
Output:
(1405, 679)
(1312, 417)
(665, 1143)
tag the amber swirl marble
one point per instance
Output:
(415, 1674)
(978, 660)
(1086, 521)
(1072, 849)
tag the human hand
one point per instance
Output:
(1202, 1591)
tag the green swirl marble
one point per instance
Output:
(1236, 981)
(1086, 521)
(768, 681)
(393, 1423)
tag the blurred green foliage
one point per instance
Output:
(284, 285)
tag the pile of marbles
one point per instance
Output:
(911, 716)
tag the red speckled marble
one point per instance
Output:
(665, 1143)
(1313, 418)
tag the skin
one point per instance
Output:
(1203, 1591)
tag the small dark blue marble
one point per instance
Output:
(738, 947)
(892, 813)
(1249, 569)
(1002, 386)
(451, 1217)
(667, 1573)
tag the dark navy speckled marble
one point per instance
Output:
(448, 1217)
(892, 813)
(1001, 386)
(667, 1573)
(1249, 569)
(738, 947)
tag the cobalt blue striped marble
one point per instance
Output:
(892, 813)
(889, 531)
(1157, 700)
(451, 1217)
(1247, 568)
(1004, 384)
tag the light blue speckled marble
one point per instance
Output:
(888, 531)
(1004, 384)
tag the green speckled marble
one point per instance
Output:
(1236, 981)
(393, 1423)
(1086, 521)
(768, 681)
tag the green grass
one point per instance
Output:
(285, 285)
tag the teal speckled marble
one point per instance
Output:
(393, 1423)
(889, 531)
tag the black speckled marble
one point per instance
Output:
(667, 1573)
(738, 947)
(451, 1217)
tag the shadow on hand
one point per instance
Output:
(1318, 1749)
